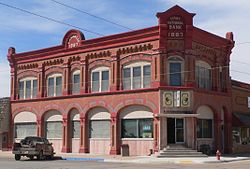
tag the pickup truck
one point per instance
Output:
(33, 146)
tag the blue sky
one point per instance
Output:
(26, 32)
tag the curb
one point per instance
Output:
(82, 159)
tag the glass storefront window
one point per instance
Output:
(137, 128)
(204, 128)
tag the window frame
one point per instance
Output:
(76, 72)
(100, 71)
(202, 129)
(54, 77)
(24, 80)
(138, 122)
(175, 59)
(131, 68)
(203, 81)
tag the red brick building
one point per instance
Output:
(166, 84)
(241, 116)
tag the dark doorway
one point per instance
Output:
(171, 130)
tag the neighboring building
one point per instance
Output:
(4, 122)
(167, 84)
(241, 116)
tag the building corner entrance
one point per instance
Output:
(175, 130)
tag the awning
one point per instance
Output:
(241, 120)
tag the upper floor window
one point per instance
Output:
(203, 75)
(75, 82)
(27, 88)
(54, 85)
(175, 71)
(100, 79)
(137, 75)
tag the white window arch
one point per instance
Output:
(99, 123)
(53, 124)
(27, 88)
(100, 79)
(24, 125)
(205, 122)
(175, 71)
(203, 75)
(54, 84)
(136, 122)
(75, 82)
(136, 75)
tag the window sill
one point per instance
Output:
(99, 138)
(137, 139)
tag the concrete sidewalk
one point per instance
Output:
(141, 159)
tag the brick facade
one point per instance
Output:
(175, 35)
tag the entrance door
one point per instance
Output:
(175, 130)
(171, 130)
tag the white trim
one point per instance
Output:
(25, 117)
(137, 139)
(178, 115)
(76, 72)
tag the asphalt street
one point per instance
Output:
(10, 163)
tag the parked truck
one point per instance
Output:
(32, 146)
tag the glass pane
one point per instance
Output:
(179, 135)
(34, 91)
(236, 135)
(146, 76)
(75, 129)
(126, 79)
(99, 129)
(129, 128)
(207, 128)
(146, 128)
(95, 81)
(51, 87)
(175, 74)
(58, 86)
(28, 89)
(25, 129)
(179, 123)
(105, 80)
(54, 129)
(136, 77)
(76, 84)
(199, 128)
(21, 90)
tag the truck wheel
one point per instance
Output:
(17, 157)
(40, 155)
(31, 157)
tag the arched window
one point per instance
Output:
(25, 125)
(27, 88)
(203, 75)
(53, 124)
(205, 122)
(75, 82)
(176, 69)
(100, 79)
(136, 122)
(136, 76)
(54, 85)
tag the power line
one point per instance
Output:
(50, 19)
(92, 15)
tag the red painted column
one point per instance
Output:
(66, 79)
(39, 127)
(156, 134)
(228, 133)
(114, 134)
(83, 136)
(114, 74)
(217, 131)
(66, 136)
